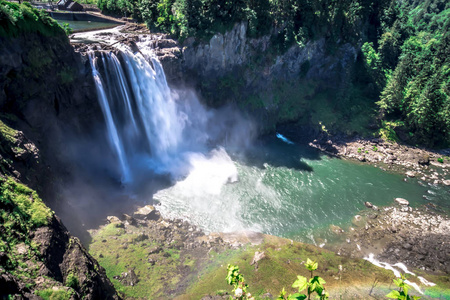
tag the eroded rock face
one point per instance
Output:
(227, 52)
(232, 65)
(221, 55)
(64, 256)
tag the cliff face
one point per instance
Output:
(43, 77)
(225, 53)
(46, 94)
(38, 256)
(274, 86)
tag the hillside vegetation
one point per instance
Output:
(410, 64)
(16, 19)
(404, 63)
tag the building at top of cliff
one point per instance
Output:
(69, 5)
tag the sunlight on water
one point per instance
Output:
(281, 197)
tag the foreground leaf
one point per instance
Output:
(301, 283)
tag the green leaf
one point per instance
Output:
(282, 294)
(405, 288)
(398, 282)
(301, 283)
(393, 295)
(324, 295)
(297, 296)
(319, 280)
(311, 265)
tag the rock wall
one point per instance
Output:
(221, 54)
(227, 52)
(253, 74)
(46, 92)
(46, 95)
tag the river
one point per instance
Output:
(288, 190)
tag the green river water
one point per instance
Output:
(287, 190)
(85, 25)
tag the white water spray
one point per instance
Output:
(152, 127)
(147, 125)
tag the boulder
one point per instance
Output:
(336, 229)
(423, 159)
(402, 201)
(147, 212)
(258, 256)
(370, 205)
(129, 220)
(410, 174)
(115, 220)
(128, 278)
(357, 221)
(446, 182)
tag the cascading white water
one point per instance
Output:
(149, 125)
(114, 139)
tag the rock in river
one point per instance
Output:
(410, 174)
(402, 201)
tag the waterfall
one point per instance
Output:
(149, 126)
(115, 140)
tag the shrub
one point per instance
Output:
(16, 19)
(72, 281)
(30, 207)
(402, 293)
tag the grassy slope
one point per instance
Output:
(191, 275)
(283, 262)
(21, 212)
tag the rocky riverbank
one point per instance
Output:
(427, 165)
(416, 237)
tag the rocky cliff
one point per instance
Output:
(46, 94)
(228, 52)
(44, 85)
(38, 256)
(274, 86)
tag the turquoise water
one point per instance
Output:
(82, 25)
(286, 190)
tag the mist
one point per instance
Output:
(150, 137)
